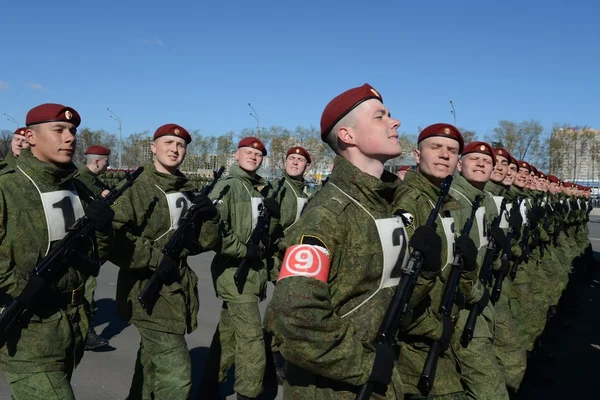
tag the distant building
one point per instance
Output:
(578, 159)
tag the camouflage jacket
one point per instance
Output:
(145, 218)
(325, 327)
(42, 339)
(238, 198)
(291, 198)
(90, 180)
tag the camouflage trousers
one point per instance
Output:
(508, 344)
(522, 287)
(89, 290)
(54, 385)
(451, 396)
(238, 341)
(480, 372)
(163, 368)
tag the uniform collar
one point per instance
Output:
(168, 182)
(414, 180)
(298, 184)
(43, 172)
(495, 189)
(239, 173)
(463, 186)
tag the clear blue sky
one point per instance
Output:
(198, 63)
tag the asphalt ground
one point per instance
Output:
(573, 337)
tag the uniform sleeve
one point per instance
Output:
(209, 234)
(11, 283)
(231, 246)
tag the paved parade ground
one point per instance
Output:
(574, 339)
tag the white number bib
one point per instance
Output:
(523, 209)
(503, 218)
(257, 206)
(300, 204)
(178, 205)
(448, 225)
(394, 244)
(62, 209)
(481, 226)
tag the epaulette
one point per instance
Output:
(334, 200)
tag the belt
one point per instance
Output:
(72, 297)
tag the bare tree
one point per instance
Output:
(87, 137)
(136, 149)
(5, 140)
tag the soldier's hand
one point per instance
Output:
(383, 365)
(499, 237)
(206, 207)
(447, 331)
(515, 219)
(273, 206)
(469, 252)
(32, 288)
(428, 242)
(100, 214)
(251, 251)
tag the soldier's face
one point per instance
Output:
(295, 165)
(500, 169)
(18, 143)
(553, 188)
(53, 142)
(102, 164)
(169, 152)
(249, 159)
(522, 178)
(437, 157)
(375, 133)
(476, 168)
(511, 174)
(401, 174)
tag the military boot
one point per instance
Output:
(94, 341)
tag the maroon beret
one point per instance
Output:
(533, 169)
(20, 131)
(300, 151)
(523, 164)
(404, 168)
(341, 105)
(98, 150)
(514, 161)
(443, 130)
(499, 151)
(541, 175)
(172, 130)
(253, 142)
(51, 112)
(553, 179)
(480, 147)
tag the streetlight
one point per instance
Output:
(11, 119)
(257, 118)
(116, 118)
(453, 111)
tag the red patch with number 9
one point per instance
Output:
(306, 260)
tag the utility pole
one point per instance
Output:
(453, 111)
(11, 119)
(257, 118)
(116, 118)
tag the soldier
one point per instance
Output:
(17, 143)
(439, 146)
(96, 163)
(145, 218)
(335, 282)
(239, 336)
(47, 342)
(402, 171)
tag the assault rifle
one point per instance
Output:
(484, 277)
(524, 248)
(504, 259)
(189, 222)
(408, 278)
(56, 261)
(260, 230)
(435, 351)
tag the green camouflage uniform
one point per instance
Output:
(145, 218)
(481, 374)
(91, 181)
(239, 336)
(509, 346)
(325, 329)
(416, 197)
(10, 160)
(44, 347)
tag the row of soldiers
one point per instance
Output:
(336, 260)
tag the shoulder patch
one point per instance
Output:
(313, 241)
(306, 260)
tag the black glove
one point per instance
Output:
(469, 252)
(32, 288)
(485, 299)
(383, 365)
(273, 206)
(499, 237)
(100, 214)
(166, 269)
(515, 219)
(428, 242)
(447, 331)
(251, 251)
(206, 208)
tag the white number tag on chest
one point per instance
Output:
(503, 219)
(62, 209)
(394, 243)
(523, 209)
(178, 205)
(257, 206)
(448, 225)
(300, 204)
(481, 226)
